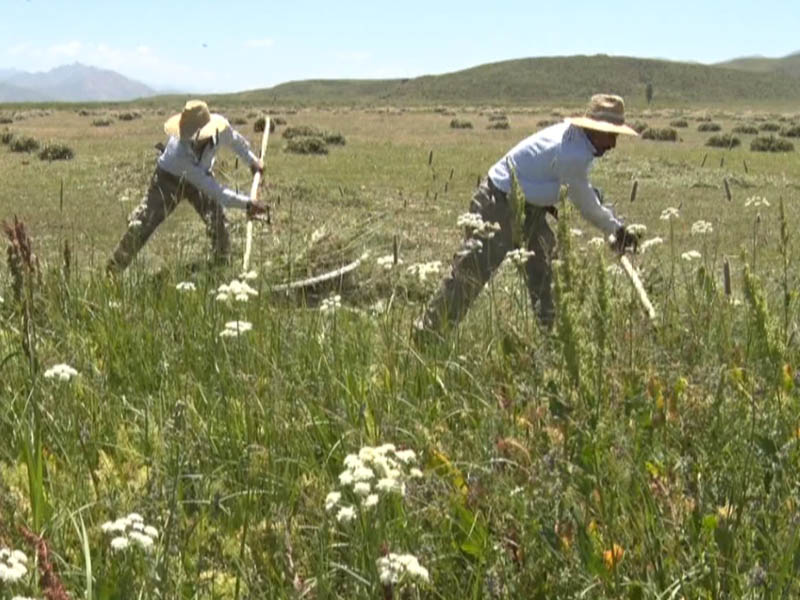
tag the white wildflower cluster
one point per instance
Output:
(756, 201)
(235, 290)
(331, 304)
(134, 223)
(22, 598)
(701, 228)
(575, 232)
(519, 256)
(375, 470)
(422, 270)
(186, 286)
(130, 530)
(12, 565)
(691, 255)
(636, 228)
(669, 213)
(596, 242)
(387, 262)
(475, 223)
(470, 245)
(248, 276)
(235, 328)
(396, 569)
(647, 244)
(62, 372)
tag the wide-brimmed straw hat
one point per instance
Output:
(606, 112)
(195, 122)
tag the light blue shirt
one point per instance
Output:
(557, 155)
(180, 159)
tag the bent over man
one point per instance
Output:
(561, 154)
(184, 171)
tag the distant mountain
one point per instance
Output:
(547, 79)
(787, 65)
(70, 83)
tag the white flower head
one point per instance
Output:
(134, 223)
(362, 488)
(701, 227)
(331, 500)
(756, 201)
(248, 276)
(596, 242)
(669, 213)
(145, 542)
(12, 565)
(519, 256)
(346, 514)
(331, 304)
(652, 242)
(235, 328)
(387, 261)
(422, 270)
(636, 228)
(691, 255)
(371, 500)
(235, 290)
(406, 456)
(62, 372)
(396, 568)
(119, 543)
(186, 286)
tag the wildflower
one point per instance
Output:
(371, 500)
(691, 255)
(235, 290)
(390, 484)
(647, 244)
(331, 304)
(363, 473)
(362, 488)
(575, 232)
(636, 228)
(118, 526)
(113, 304)
(186, 286)
(406, 456)
(12, 565)
(669, 213)
(134, 224)
(150, 531)
(387, 261)
(519, 256)
(62, 372)
(613, 557)
(415, 473)
(477, 225)
(119, 543)
(596, 242)
(22, 598)
(346, 478)
(394, 568)
(235, 328)
(422, 270)
(145, 542)
(701, 227)
(248, 276)
(756, 201)
(346, 514)
(332, 499)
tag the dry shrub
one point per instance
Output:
(334, 138)
(769, 127)
(745, 129)
(101, 122)
(5, 120)
(279, 121)
(56, 152)
(498, 125)
(460, 124)
(679, 123)
(639, 126)
(498, 117)
(302, 131)
(726, 140)
(6, 137)
(665, 134)
(771, 144)
(261, 122)
(307, 145)
(708, 126)
(793, 131)
(546, 123)
(129, 116)
(23, 144)
(239, 121)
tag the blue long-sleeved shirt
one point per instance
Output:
(557, 155)
(180, 159)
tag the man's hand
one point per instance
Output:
(257, 167)
(256, 208)
(625, 240)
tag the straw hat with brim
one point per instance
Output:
(195, 122)
(606, 112)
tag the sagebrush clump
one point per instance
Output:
(640, 126)
(726, 140)
(709, 126)
(460, 124)
(792, 131)
(745, 129)
(664, 134)
(23, 144)
(771, 144)
(301, 131)
(498, 125)
(679, 123)
(334, 138)
(769, 127)
(6, 137)
(307, 145)
(101, 122)
(56, 152)
(260, 124)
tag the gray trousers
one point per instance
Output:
(474, 264)
(163, 195)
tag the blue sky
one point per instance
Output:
(236, 45)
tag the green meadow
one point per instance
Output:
(299, 445)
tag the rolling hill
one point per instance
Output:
(787, 65)
(548, 79)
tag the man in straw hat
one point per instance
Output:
(184, 171)
(561, 154)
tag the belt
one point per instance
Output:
(496, 191)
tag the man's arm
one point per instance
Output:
(212, 188)
(239, 144)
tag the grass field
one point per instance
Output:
(611, 458)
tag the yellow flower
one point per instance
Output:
(613, 557)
